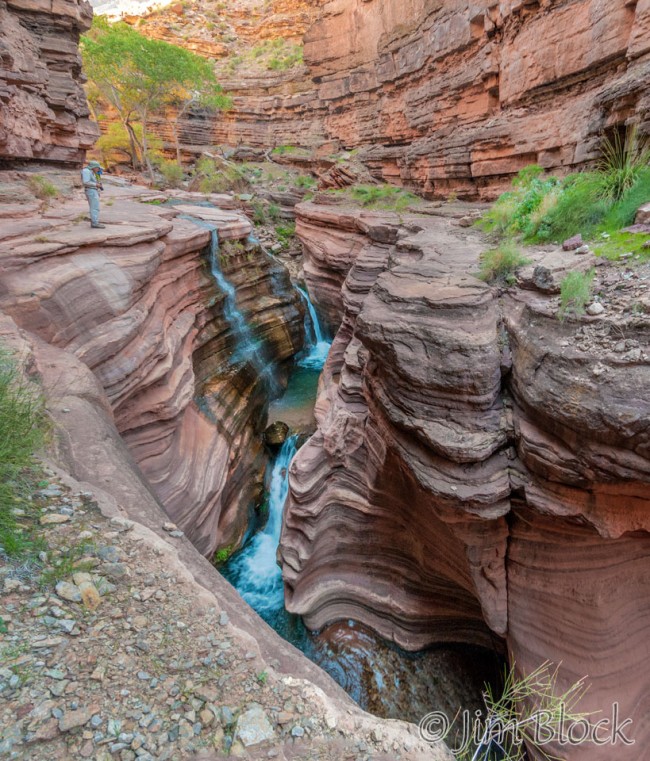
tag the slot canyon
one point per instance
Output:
(309, 471)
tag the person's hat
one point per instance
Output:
(94, 165)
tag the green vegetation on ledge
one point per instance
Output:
(388, 197)
(597, 204)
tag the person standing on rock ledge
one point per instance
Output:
(91, 176)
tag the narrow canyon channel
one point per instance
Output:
(382, 678)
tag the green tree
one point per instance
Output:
(139, 77)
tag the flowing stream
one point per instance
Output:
(248, 348)
(377, 675)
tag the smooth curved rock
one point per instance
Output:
(135, 302)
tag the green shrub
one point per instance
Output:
(380, 196)
(579, 208)
(285, 232)
(526, 176)
(280, 150)
(622, 213)
(42, 188)
(575, 292)
(500, 264)
(305, 181)
(259, 213)
(23, 426)
(222, 179)
(172, 171)
(274, 211)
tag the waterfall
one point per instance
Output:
(255, 572)
(317, 346)
(248, 348)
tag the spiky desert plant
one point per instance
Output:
(621, 162)
(513, 715)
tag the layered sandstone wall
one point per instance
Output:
(481, 470)
(136, 303)
(457, 96)
(43, 109)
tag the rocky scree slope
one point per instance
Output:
(481, 470)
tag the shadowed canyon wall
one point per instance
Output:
(481, 470)
(43, 109)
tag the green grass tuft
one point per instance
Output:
(42, 188)
(499, 265)
(575, 292)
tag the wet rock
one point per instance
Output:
(276, 434)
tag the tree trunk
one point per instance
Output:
(133, 142)
(145, 149)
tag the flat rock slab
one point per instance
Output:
(229, 225)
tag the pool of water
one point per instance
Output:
(296, 406)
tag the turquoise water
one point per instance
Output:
(296, 406)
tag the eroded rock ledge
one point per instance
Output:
(136, 304)
(480, 471)
(43, 110)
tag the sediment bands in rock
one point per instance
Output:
(457, 96)
(479, 474)
(137, 304)
(43, 109)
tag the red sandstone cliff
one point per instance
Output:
(455, 96)
(43, 109)
(480, 469)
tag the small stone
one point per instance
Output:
(47, 642)
(571, 244)
(176, 534)
(223, 618)
(104, 586)
(53, 519)
(99, 673)
(207, 717)
(73, 719)
(96, 721)
(581, 250)
(58, 688)
(67, 591)
(11, 585)
(595, 309)
(253, 726)
(121, 524)
(169, 526)
(297, 732)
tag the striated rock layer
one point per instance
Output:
(43, 109)
(456, 96)
(136, 303)
(479, 474)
